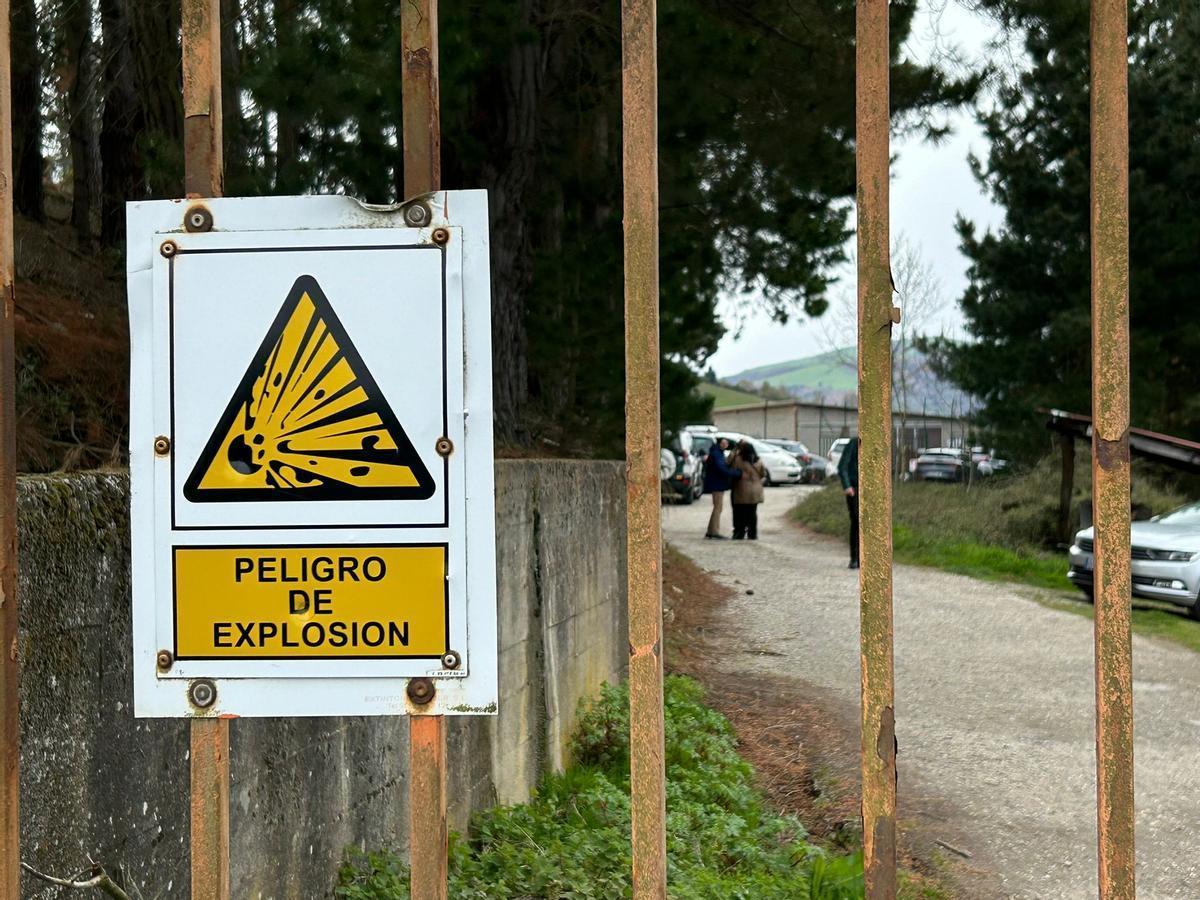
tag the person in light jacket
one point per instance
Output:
(747, 492)
(718, 478)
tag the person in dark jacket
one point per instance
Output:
(718, 478)
(747, 492)
(848, 473)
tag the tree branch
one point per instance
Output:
(99, 880)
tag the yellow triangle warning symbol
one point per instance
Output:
(307, 421)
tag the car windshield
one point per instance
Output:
(1185, 515)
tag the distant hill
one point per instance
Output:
(724, 396)
(832, 377)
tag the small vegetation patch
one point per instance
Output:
(571, 840)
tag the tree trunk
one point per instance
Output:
(120, 168)
(287, 128)
(233, 124)
(80, 85)
(29, 195)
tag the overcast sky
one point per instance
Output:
(930, 186)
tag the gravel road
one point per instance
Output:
(994, 704)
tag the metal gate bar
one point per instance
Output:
(427, 827)
(639, 92)
(204, 177)
(1110, 445)
(10, 737)
(875, 316)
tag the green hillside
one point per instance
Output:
(724, 396)
(833, 371)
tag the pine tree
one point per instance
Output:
(1027, 306)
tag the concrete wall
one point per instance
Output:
(98, 784)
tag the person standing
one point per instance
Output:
(747, 492)
(718, 478)
(848, 473)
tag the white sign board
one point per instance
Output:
(311, 455)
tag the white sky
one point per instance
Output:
(930, 186)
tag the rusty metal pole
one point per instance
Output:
(204, 177)
(875, 319)
(639, 96)
(427, 829)
(10, 735)
(1110, 445)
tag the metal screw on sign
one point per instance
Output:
(202, 693)
(417, 215)
(421, 691)
(441, 235)
(168, 249)
(451, 660)
(198, 219)
(165, 660)
(162, 445)
(444, 446)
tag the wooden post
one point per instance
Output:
(639, 120)
(1066, 485)
(427, 833)
(10, 732)
(203, 177)
(1110, 445)
(875, 319)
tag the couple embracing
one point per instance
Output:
(740, 473)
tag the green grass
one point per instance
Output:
(571, 840)
(997, 531)
(724, 396)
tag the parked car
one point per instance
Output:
(1166, 558)
(812, 465)
(940, 464)
(685, 481)
(835, 454)
(986, 462)
(781, 467)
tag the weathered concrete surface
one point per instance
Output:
(98, 784)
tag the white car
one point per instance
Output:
(1166, 558)
(781, 466)
(835, 453)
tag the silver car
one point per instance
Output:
(1166, 558)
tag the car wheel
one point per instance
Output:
(687, 498)
(1194, 610)
(767, 482)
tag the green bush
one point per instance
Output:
(571, 840)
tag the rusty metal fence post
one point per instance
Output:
(203, 177)
(639, 94)
(875, 318)
(1110, 445)
(10, 735)
(427, 829)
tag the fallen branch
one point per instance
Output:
(963, 853)
(99, 880)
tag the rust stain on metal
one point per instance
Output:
(203, 176)
(875, 318)
(203, 164)
(421, 101)
(422, 137)
(210, 808)
(639, 95)
(10, 739)
(1110, 443)
(428, 835)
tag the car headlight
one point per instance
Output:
(1172, 555)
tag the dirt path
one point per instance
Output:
(994, 705)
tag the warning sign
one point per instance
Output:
(348, 602)
(308, 421)
(313, 499)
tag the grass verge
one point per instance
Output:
(966, 532)
(571, 840)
